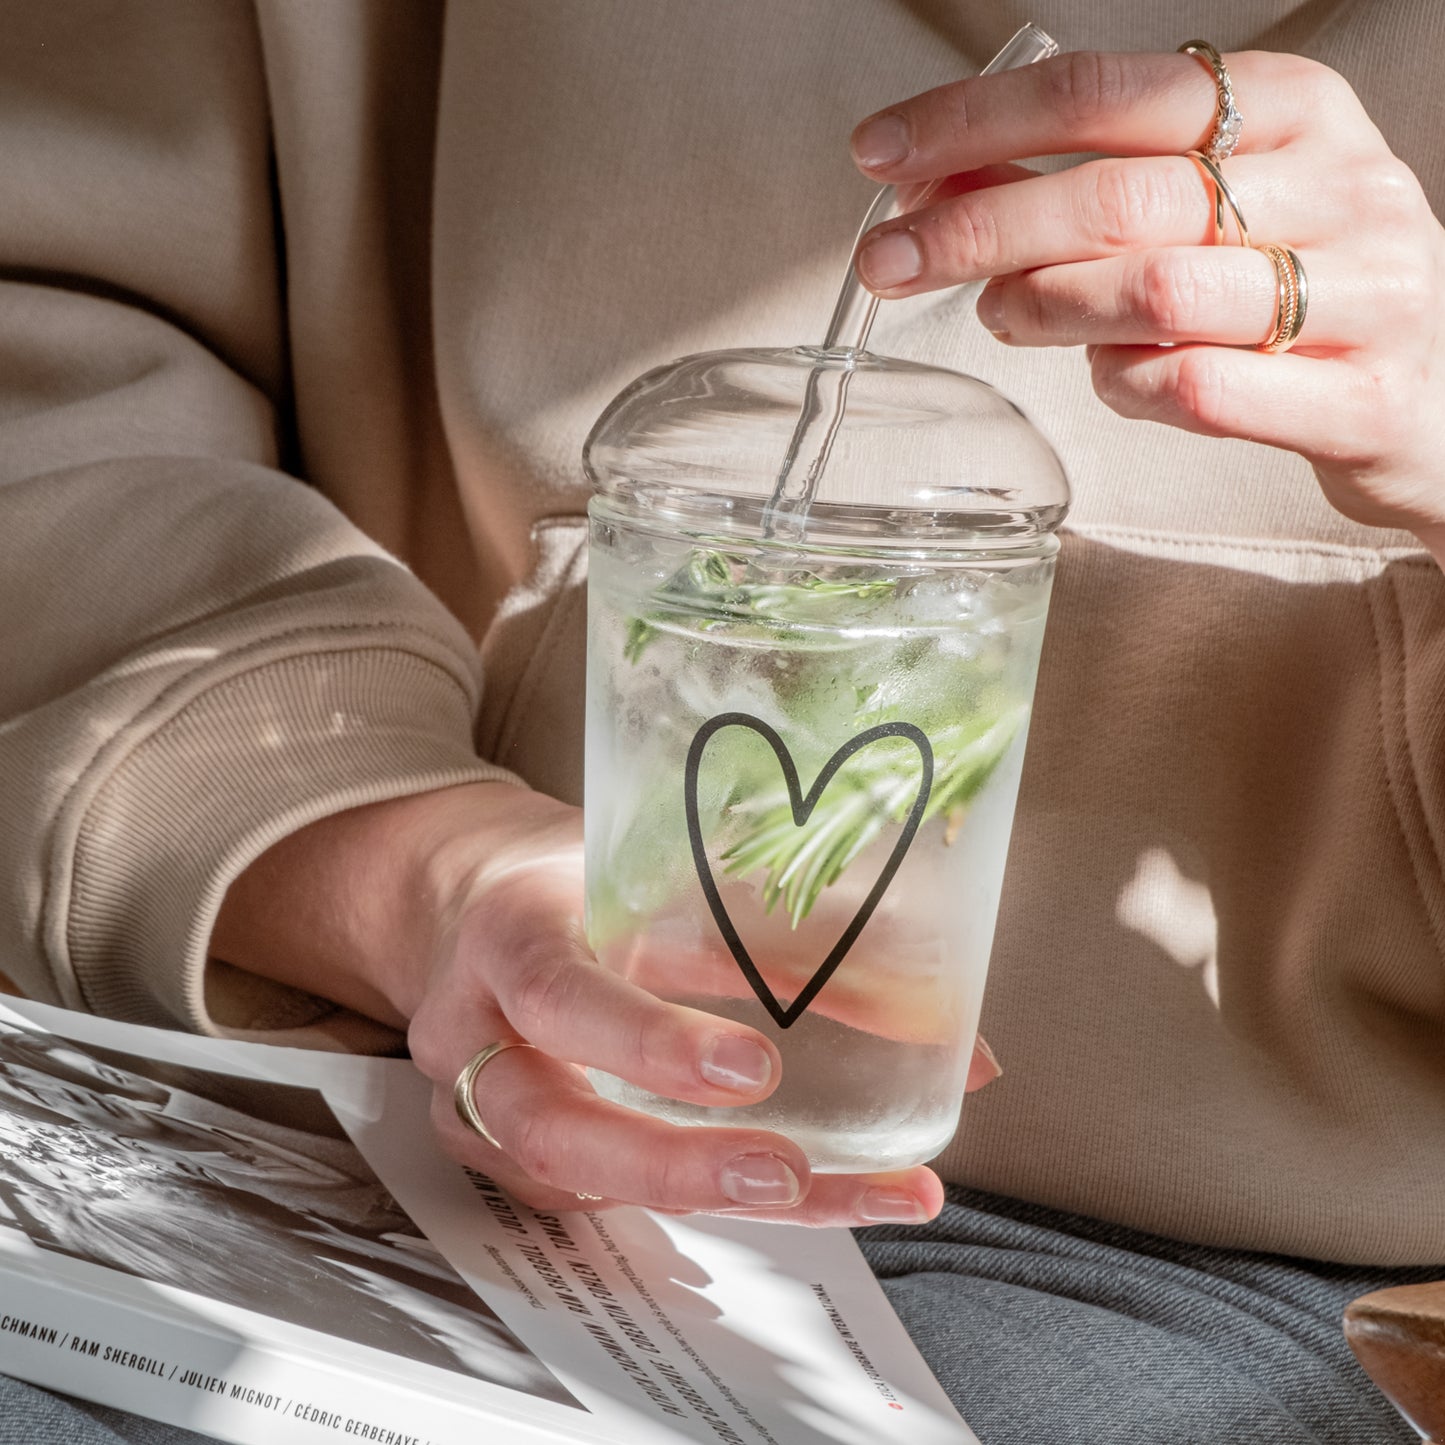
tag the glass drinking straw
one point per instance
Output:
(825, 395)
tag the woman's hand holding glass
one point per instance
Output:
(458, 915)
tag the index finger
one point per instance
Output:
(1120, 104)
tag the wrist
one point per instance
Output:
(349, 907)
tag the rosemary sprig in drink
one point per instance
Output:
(720, 589)
(879, 785)
(869, 794)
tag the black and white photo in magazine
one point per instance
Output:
(246, 1191)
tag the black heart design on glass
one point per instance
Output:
(802, 807)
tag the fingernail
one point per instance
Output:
(890, 1206)
(881, 142)
(892, 259)
(980, 1046)
(759, 1179)
(731, 1062)
(990, 310)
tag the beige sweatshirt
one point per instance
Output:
(404, 253)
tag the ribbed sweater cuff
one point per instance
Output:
(241, 765)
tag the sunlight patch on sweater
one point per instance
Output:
(1175, 913)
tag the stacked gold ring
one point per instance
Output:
(1292, 295)
(1292, 291)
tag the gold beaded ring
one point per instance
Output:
(1292, 294)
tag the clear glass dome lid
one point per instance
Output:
(832, 444)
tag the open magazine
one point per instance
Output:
(263, 1245)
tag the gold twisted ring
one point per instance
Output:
(1292, 297)
(1223, 195)
(1228, 122)
(466, 1105)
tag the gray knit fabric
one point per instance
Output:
(1044, 1326)
(36, 1417)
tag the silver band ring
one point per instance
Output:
(1228, 122)
(466, 1105)
(1223, 195)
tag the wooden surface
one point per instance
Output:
(1398, 1335)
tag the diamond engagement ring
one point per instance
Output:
(1228, 122)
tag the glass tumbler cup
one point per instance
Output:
(804, 742)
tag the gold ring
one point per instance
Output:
(1228, 122)
(1292, 296)
(466, 1105)
(1223, 194)
(580, 1195)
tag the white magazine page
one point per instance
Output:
(666, 1329)
(737, 1331)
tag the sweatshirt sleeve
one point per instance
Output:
(200, 653)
